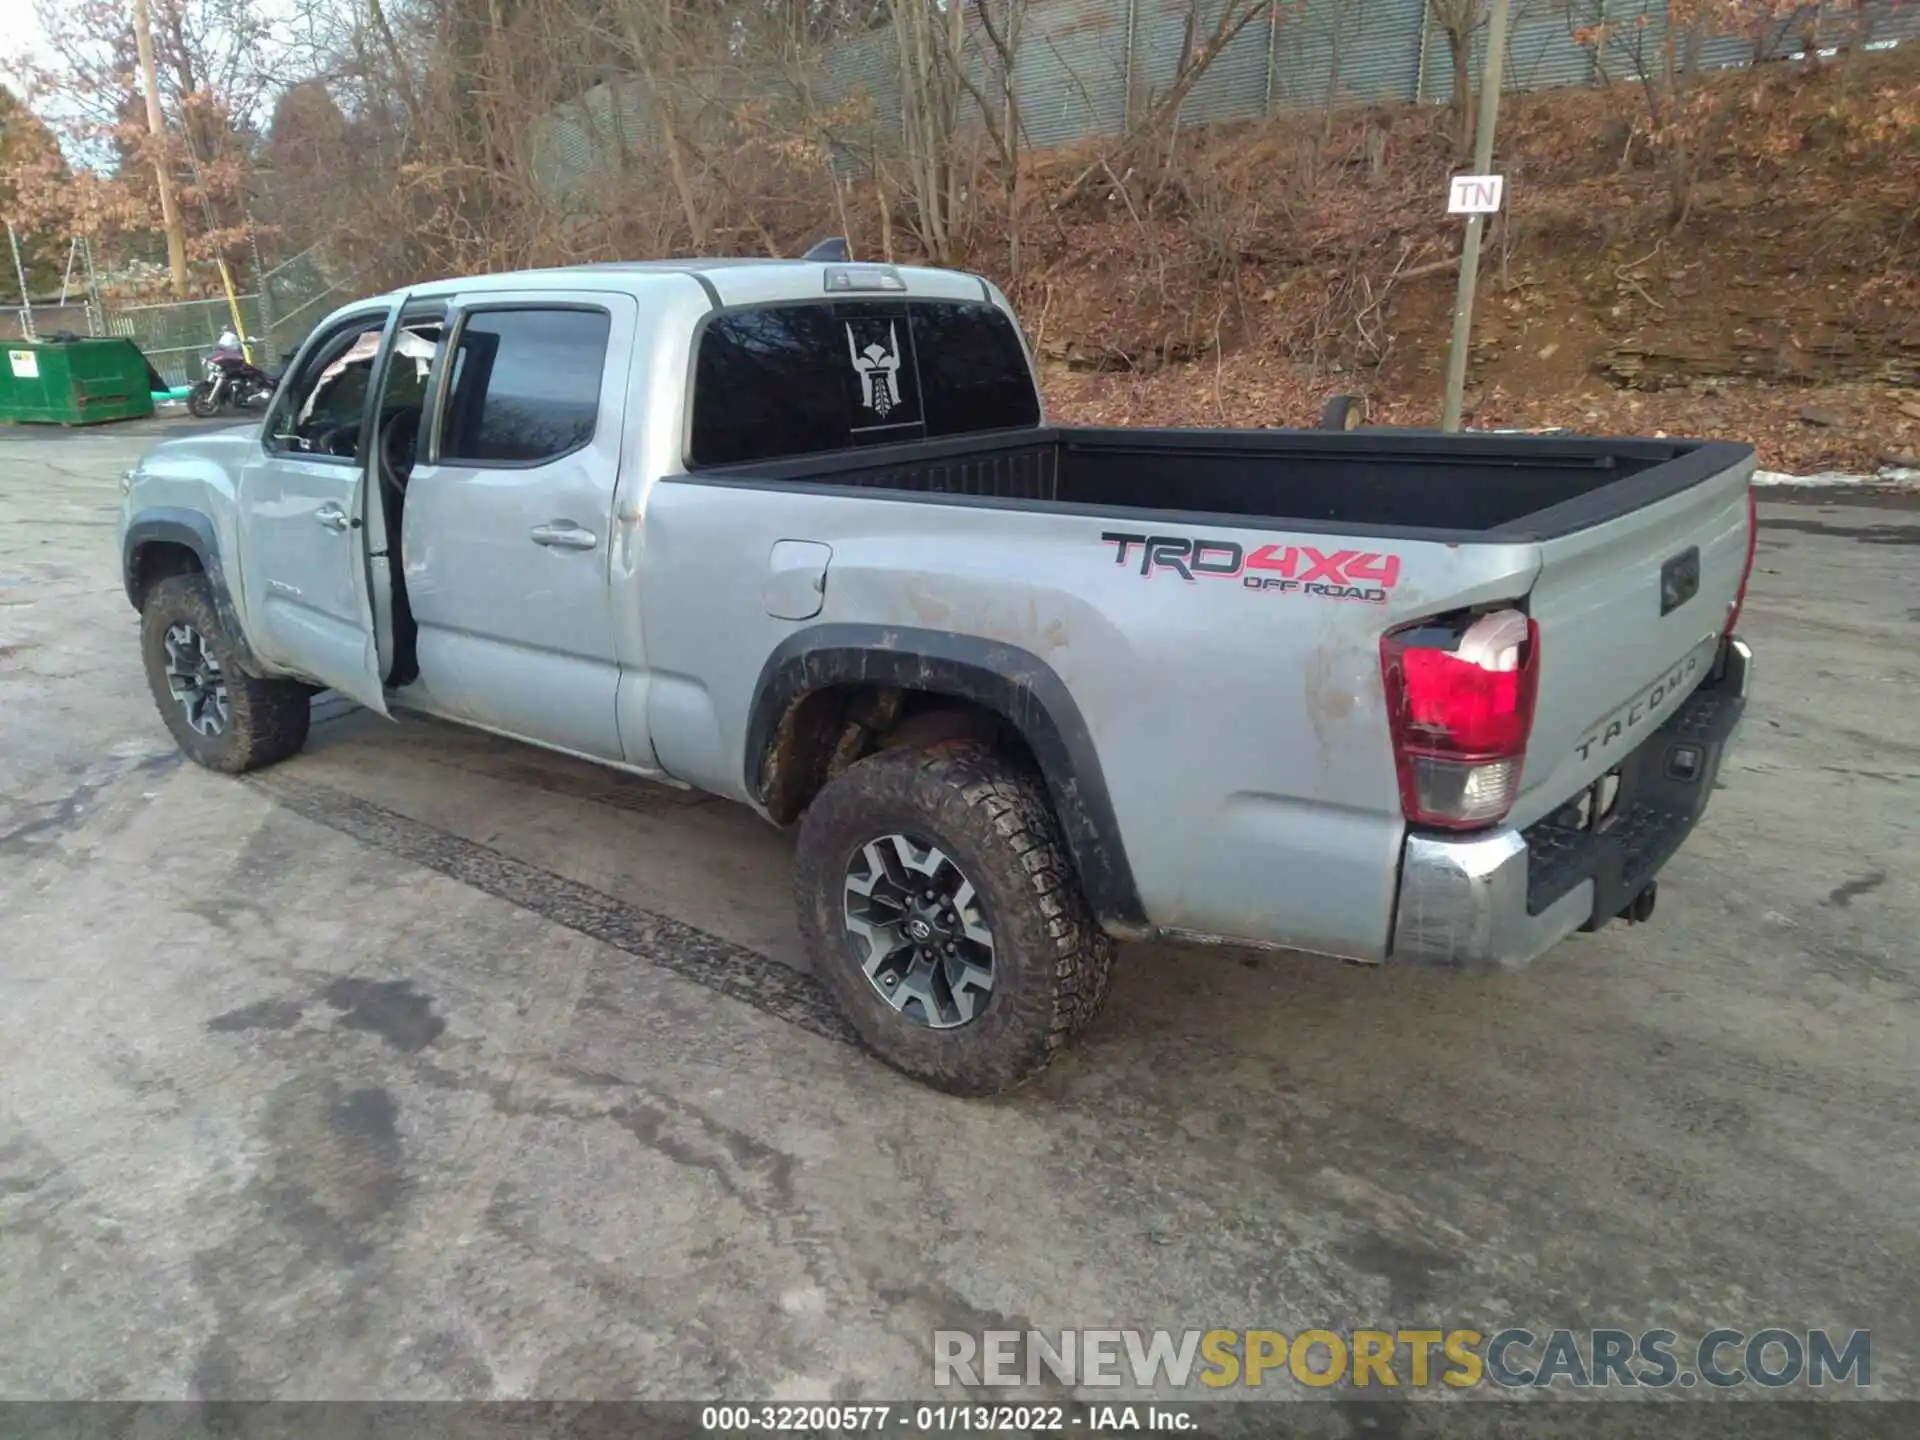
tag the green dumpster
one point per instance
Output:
(74, 382)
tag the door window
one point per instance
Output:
(525, 386)
(323, 406)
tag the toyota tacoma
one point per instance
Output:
(797, 533)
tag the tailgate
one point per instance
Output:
(1630, 610)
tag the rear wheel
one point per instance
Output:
(941, 911)
(219, 716)
(200, 401)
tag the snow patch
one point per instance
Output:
(1887, 475)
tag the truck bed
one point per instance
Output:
(1626, 556)
(1471, 487)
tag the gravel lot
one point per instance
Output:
(429, 1065)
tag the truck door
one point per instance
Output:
(508, 526)
(303, 540)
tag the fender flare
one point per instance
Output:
(1015, 684)
(192, 530)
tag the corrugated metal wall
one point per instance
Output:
(1542, 52)
(1235, 85)
(1360, 52)
(1090, 67)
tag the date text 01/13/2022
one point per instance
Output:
(1363, 575)
(946, 1419)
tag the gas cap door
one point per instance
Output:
(796, 579)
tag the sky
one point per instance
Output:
(23, 41)
(19, 24)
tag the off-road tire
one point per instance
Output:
(988, 812)
(200, 402)
(267, 720)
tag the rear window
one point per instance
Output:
(790, 380)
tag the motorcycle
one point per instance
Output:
(231, 381)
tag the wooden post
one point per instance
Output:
(1490, 82)
(157, 127)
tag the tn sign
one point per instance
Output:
(1475, 194)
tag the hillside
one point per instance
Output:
(1272, 265)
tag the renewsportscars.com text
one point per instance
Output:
(1772, 1357)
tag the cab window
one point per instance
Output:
(778, 381)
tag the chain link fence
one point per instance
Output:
(286, 303)
(174, 337)
(296, 295)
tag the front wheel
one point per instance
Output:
(939, 907)
(220, 716)
(201, 402)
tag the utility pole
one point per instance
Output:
(157, 126)
(1470, 247)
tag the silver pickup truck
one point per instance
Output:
(796, 533)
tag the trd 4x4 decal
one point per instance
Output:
(1363, 575)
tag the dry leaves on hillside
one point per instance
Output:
(1802, 431)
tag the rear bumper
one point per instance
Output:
(1497, 899)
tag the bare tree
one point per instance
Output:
(161, 103)
(930, 47)
(1459, 21)
(1199, 48)
(401, 70)
(1148, 143)
(658, 47)
(998, 100)
(1682, 121)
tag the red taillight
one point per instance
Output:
(1460, 707)
(1746, 571)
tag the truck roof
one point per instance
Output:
(727, 280)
